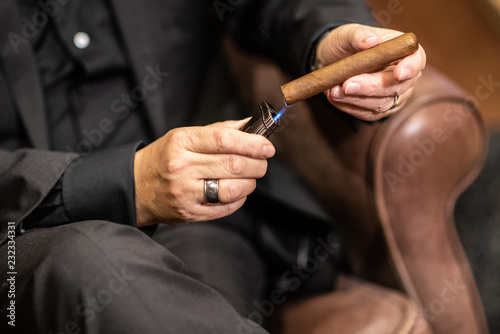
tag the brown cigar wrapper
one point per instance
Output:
(366, 61)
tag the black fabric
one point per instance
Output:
(17, 194)
(11, 128)
(79, 194)
(257, 261)
(79, 87)
(286, 30)
(83, 186)
(235, 267)
(49, 213)
(20, 74)
(102, 277)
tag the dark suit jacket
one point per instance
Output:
(179, 37)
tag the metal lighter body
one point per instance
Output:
(264, 122)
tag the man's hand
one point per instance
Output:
(170, 172)
(369, 96)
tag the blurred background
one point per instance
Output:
(462, 40)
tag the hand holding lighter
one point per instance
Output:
(266, 120)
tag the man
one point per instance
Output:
(99, 161)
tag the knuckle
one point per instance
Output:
(176, 193)
(383, 107)
(236, 165)
(239, 190)
(174, 166)
(222, 141)
(177, 137)
(177, 200)
(186, 215)
(234, 192)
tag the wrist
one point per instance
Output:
(142, 214)
(314, 61)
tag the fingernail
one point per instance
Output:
(337, 93)
(404, 75)
(352, 88)
(370, 39)
(268, 151)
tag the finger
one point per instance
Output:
(230, 190)
(232, 195)
(359, 37)
(371, 108)
(411, 66)
(189, 203)
(352, 38)
(364, 114)
(345, 41)
(206, 212)
(230, 166)
(221, 140)
(234, 190)
(238, 124)
(380, 84)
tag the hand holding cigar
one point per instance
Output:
(366, 61)
(385, 88)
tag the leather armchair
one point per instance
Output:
(392, 186)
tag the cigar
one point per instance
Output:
(366, 61)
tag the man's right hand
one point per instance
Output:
(170, 172)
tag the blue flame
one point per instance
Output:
(279, 114)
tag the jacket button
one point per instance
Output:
(81, 40)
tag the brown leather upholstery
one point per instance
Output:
(392, 187)
(434, 149)
(356, 306)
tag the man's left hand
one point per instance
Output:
(369, 96)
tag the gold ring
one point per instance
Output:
(396, 102)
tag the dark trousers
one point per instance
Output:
(102, 277)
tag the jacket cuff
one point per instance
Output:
(100, 186)
(311, 27)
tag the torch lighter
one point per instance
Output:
(267, 119)
(264, 121)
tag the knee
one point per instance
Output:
(80, 253)
(93, 255)
(83, 271)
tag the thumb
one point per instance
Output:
(231, 124)
(345, 41)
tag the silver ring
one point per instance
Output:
(212, 191)
(396, 102)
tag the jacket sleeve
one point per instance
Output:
(286, 30)
(48, 189)
(26, 177)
